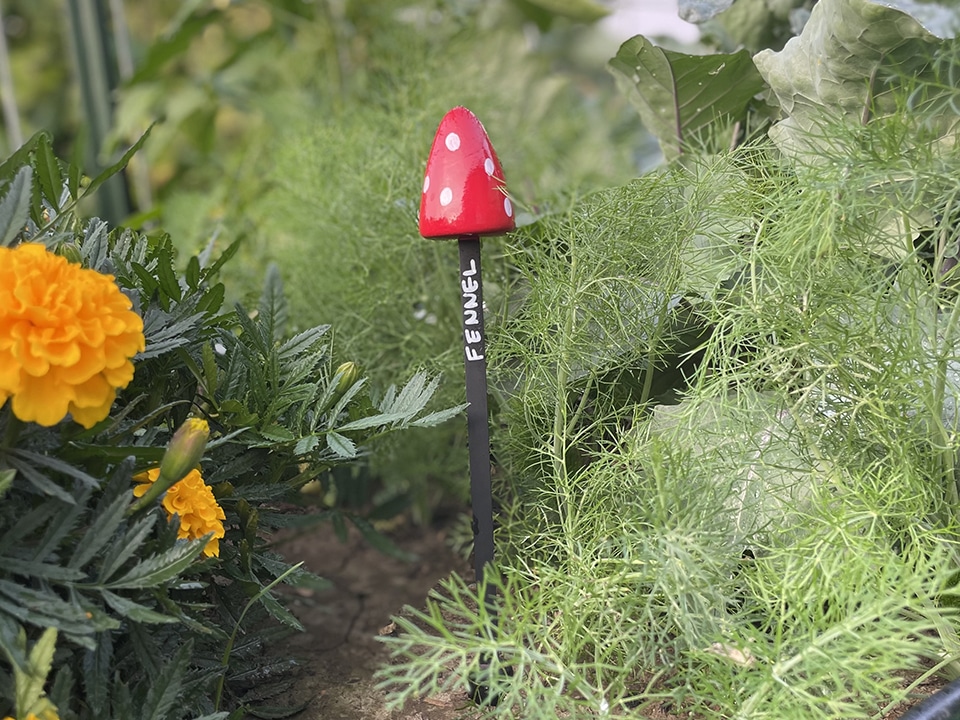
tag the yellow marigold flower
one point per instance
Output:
(67, 335)
(194, 502)
(47, 715)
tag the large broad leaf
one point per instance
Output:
(751, 446)
(835, 68)
(680, 95)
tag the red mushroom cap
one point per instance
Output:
(464, 192)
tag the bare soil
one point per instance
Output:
(339, 652)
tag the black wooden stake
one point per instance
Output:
(478, 428)
(478, 440)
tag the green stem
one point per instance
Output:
(156, 489)
(225, 660)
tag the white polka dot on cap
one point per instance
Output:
(452, 142)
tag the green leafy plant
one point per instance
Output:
(729, 425)
(154, 618)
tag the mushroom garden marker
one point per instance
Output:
(464, 197)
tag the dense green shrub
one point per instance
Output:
(122, 597)
(729, 431)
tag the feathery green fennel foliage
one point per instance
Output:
(729, 441)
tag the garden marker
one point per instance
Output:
(464, 197)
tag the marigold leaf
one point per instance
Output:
(30, 690)
(192, 274)
(167, 275)
(160, 568)
(15, 206)
(438, 417)
(302, 342)
(21, 156)
(96, 676)
(40, 481)
(306, 444)
(99, 532)
(373, 421)
(124, 547)
(135, 611)
(279, 612)
(59, 466)
(344, 447)
(117, 166)
(48, 172)
(46, 610)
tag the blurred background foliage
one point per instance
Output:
(302, 127)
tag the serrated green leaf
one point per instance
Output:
(166, 275)
(48, 172)
(45, 609)
(441, 416)
(192, 274)
(212, 299)
(165, 688)
(95, 247)
(302, 342)
(117, 166)
(135, 611)
(40, 481)
(273, 305)
(55, 573)
(379, 420)
(306, 444)
(210, 271)
(343, 401)
(96, 676)
(31, 679)
(59, 466)
(122, 549)
(99, 532)
(277, 433)
(163, 336)
(679, 95)
(342, 446)
(279, 612)
(15, 206)
(161, 568)
(21, 156)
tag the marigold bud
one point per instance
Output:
(349, 373)
(184, 451)
(71, 251)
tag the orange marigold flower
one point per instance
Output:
(194, 502)
(67, 336)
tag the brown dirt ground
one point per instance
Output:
(339, 652)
